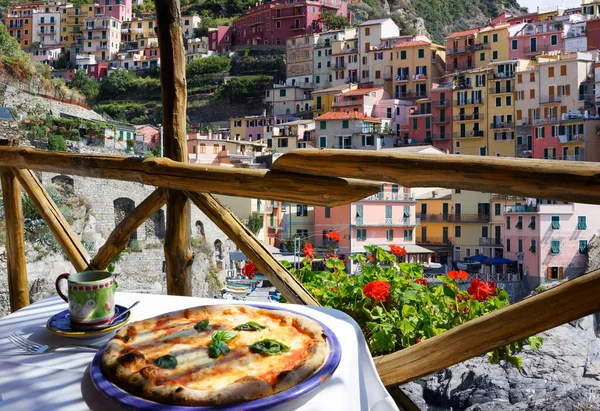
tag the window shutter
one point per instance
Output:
(568, 91)
(364, 138)
(549, 273)
(560, 272)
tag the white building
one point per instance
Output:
(46, 28)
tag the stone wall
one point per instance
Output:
(28, 105)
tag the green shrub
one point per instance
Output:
(209, 65)
(56, 142)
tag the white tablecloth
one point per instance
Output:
(61, 380)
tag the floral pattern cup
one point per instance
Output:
(91, 298)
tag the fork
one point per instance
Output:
(36, 348)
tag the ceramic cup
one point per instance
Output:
(91, 298)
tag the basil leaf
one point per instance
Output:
(201, 325)
(224, 336)
(166, 361)
(217, 348)
(269, 347)
(249, 326)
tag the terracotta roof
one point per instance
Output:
(462, 33)
(412, 44)
(354, 115)
(361, 91)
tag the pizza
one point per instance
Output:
(215, 355)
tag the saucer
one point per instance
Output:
(60, 324)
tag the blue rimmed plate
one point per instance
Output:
(132, 402)
(60, 324)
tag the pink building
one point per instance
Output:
(149, 134)
(383, 219)
(362, 100)
(119, 9)
(549, 241)
(274, 22)
(393, 113)
(220, 39)
(531, 39)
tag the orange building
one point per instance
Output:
(19, 22)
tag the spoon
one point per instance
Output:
(124, 312)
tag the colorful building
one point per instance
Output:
(19, 22)
(46, 27)
(441, 108)
(291, 135)
(470, 212)
(284, 100)
(436, 228)
(299, 60)
(362, 100)
(323, 99)
(348, 130)
(416, 66)
(322, 60)
(531, 39)
(102, 37)
(220, 39)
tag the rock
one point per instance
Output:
(563, 375)
(414, 390)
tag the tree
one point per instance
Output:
(9, 46)
(288, 243)
(117, 83)
(209, 65)
(334, 22)
(255, 223)
(86, 86)
(63, 63)
(56, 142)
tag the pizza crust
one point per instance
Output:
(129, 369)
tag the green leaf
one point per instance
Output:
(269, 347)
(377, 313)
(515, 360)
(330, 263)
(249, 326)
(201, 325)
(409, 295)
(217, 348)
(408, 310)
(449, 292)
(286, 264)
(494, 357)
(224, 336)
(166, 361)
(406, 327)
(535, 342)
(383, 341)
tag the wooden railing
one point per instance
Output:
(295, 177)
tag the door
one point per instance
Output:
(423, 234)
(388, 214)
(445, 210)
(497, 235)
(533, 44)
(485, 232)
(444, 235)
(458, 209)
(423, 211)
(483, 209)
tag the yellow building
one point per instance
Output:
(72, 22)
(436, 230)
(501, 108)
(138, 29)
(493, 45)
(416, 65)
(323, 99)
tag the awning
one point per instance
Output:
(417, 249)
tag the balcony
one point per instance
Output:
(348, 102)
(434, 240)
(437, 120)
(402, 78)
(297, 27)
(102, 47)
(500, 90)
(460, 50)
(500, 124)
(568, 138)
(468, 102)
(462, 66)
(440, 137)
(491, 242)
(339, 66)
(469, 117)
(390, 197)
(549, 99)
(512, 209)
(441, 103)
(322, 44)
(470, 134)
(101, 27)
(46, 33)
(539, 49)
(510, 74)
(411, 94)
(388, 222)
(455, 218)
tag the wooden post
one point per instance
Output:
(18, 287)
(117, 240)
(178, 251)
(61, 230)
(289, 286)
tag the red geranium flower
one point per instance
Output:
(330, 255)
(309, 251)
(461, 275)
(481, 290)
(422, 281)
(398, 251)
(249, 270)
(371, 258)
(333, 236)
(378, 290)
(461, 297)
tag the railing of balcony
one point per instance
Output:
(502, 124)
(508, 74)
(457, 218)
(434, 240)
(441, 103)
(390, 197)
(438, 120)
(491, 241)
(469, 117)
(402, 78)
(470, 134)
(440, 136)
(549, 99)
(411, 94)
(500, 90)
(520, 208)
(468, 101)
(387, 222)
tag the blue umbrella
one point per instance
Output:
(498, 261)
(479, 257)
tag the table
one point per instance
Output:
(61, 380)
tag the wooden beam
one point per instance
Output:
(18, 288)
(162, 172)
(60, 228)
(566, 302)
(117, 240)
(556, 180)
(178, 250)
(255, 250)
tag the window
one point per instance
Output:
(361, 234)
(550, 71)
(345, 124)
(389, 235)
(457, 231)
(532, 246)
(389, 112)
(282, 142)
(497, 209)
(583, 246)
(532, 93)
(408, 235)
(508, 222)
(282, 93)
(531, 77)
(367, 31)
(563, 70)
(508, 244)
(532, 223)
(508, 101)
(482, 56)
(519, 224)
(498, 101)
(515, 44)
(317, 79)
(327, 212)
(495, 37)
(581, 223)
(554, 40)
(555, 222)
(323, 125)
(555, 273)
(421, 53)
(494, 55)
(301, 210)
(323, 141)
(520, 245)
(555, 247)
(403, 55)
